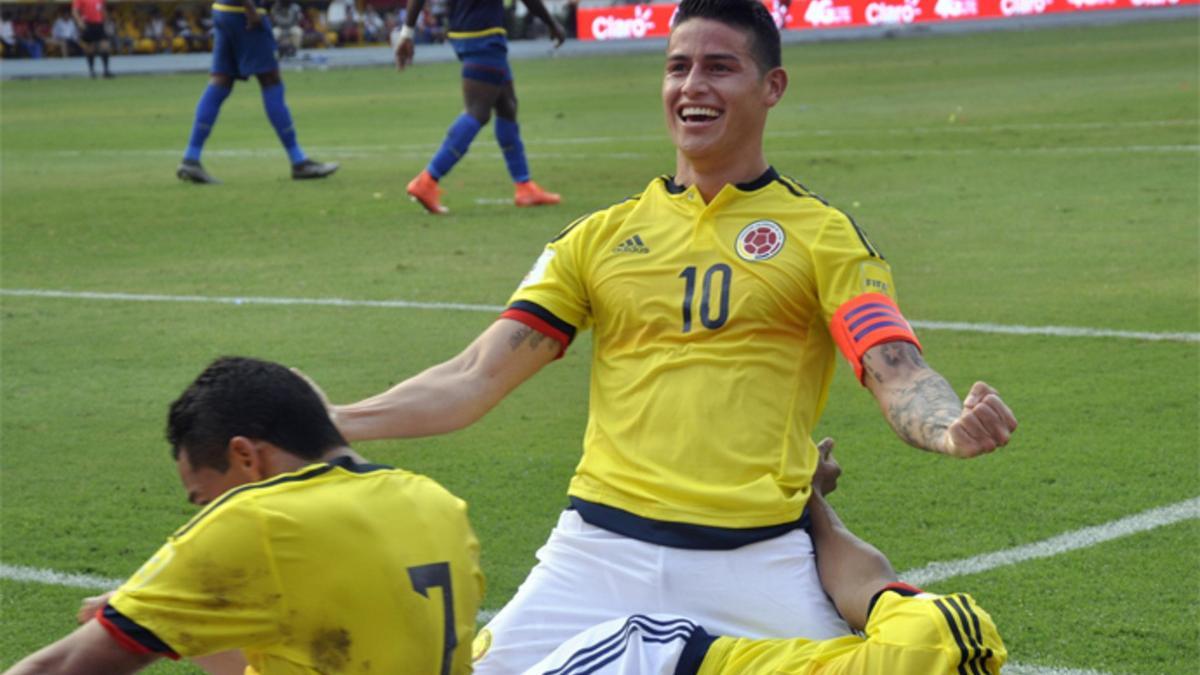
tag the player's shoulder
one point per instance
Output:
(244, 503)
(600, 219)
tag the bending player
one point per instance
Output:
(908, 632)
(304, 557)
(243, 46)
(476, 32)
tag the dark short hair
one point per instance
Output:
(237, 396)
(750, 16)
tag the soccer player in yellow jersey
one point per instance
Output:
(305, 558)
(719, 298)
(905, 631)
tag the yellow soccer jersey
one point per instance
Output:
(712, 350)
(336, 568)
(906, 635)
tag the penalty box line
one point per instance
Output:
(958, 326)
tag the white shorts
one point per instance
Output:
(637, 645)
(587, 575)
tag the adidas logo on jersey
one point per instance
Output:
(633, 244)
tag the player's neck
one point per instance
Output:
(710, 177)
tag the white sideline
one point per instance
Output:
(1063, 543)
(406, 152)
(963, 327)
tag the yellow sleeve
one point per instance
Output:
(210, 588)
(847, 265)
(557, 283)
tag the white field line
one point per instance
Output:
(1023, 669)
(1063, 543)
(964, 327)
(349, 153)
(39, 575)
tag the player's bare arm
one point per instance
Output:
(851, 570)
(453, 394)
(923, 409)
(403, 46)
(90, 649)
(538, 9)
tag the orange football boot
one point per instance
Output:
(530, 193)
(425, 191)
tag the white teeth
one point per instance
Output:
(697, 111)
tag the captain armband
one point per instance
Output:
(866, 321)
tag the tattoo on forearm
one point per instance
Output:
(923, 410)
(526, 334)
(923, 405)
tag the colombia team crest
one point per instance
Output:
(760, 240)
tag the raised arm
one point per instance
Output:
(455, 393)
(925, 412)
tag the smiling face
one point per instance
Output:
(715, 95)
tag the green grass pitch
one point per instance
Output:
(1042, 178)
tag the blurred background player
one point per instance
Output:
(907, 631)
(476, 31)
(243, 46)
(718, 299)
(90, 16)
(304, 557)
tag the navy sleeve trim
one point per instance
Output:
(545, 315)
(680, 535)
(144, 637)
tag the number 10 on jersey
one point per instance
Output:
(717, 274)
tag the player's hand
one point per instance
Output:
(557, 33)
(985, 424)
(403, 51)
(253, 20)
(89, 606)
(825, 478)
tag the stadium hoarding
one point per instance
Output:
(654, 20)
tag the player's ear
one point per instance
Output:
(245, 457)
(775, 83)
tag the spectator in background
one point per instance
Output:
(27, 40)
(64, 36)
(155, 30)
(181, 23)
(8, 37)
(90, 16)
(285, 24)
(374, 28)
(342, 18)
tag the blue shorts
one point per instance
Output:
(238, 52)
(484, 58)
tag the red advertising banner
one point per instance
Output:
(643, 21)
